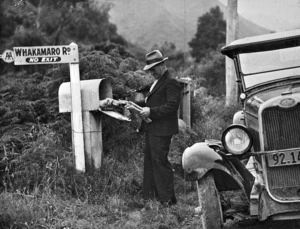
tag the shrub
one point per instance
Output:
(210, 115)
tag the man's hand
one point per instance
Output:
(110, 101)
(119, 102)
(130, 107)
(105, 102)
(145, 113)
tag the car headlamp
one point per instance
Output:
(237, 139)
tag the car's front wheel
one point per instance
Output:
(210, 204)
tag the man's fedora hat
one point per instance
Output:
(153, 58)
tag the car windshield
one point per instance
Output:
(261, 67)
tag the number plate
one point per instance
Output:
(288, 157)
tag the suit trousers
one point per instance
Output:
(158, 181)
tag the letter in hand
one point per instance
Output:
(145, 113)
(131, 107)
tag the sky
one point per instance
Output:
(277, 15)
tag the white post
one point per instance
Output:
(92, 127)
(76, 114)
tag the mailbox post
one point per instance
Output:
(92, 92)
(77, 126)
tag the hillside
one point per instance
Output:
(151, 22)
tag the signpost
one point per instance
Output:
(58, 55)
(46, 55)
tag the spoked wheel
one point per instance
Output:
(210, 204)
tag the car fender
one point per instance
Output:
(201, 158)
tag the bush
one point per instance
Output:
(210, 115)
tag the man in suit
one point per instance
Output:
(160, 105)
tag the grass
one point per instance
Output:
(116, 211)
(46, 192)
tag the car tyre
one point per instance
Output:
(210, 203)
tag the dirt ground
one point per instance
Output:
(136, 219)
(295, 224)
(254, 224)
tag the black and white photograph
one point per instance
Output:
(149, 114)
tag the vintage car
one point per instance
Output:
(259, 154)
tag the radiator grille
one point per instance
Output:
(286, 176)
(282, 131)
(281, 128)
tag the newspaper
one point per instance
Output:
(114, 108)
(137, 109)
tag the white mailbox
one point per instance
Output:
(92, 91)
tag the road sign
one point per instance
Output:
(58, 55)
(8, 56)
(46, 55)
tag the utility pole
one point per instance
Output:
(231, 35)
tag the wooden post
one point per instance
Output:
(93, 145)
(76, 114)
(186, 104)
(231, 35)
(184, 111)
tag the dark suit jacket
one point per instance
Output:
(163, 101)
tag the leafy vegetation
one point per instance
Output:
(211, 33)
(38, 183)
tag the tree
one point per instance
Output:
(209, 74)
(59, 22)
(56, 23)
(175, 57)
(211, 34)
(212, 71)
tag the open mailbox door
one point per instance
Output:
(115, 114)
(113, 108)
